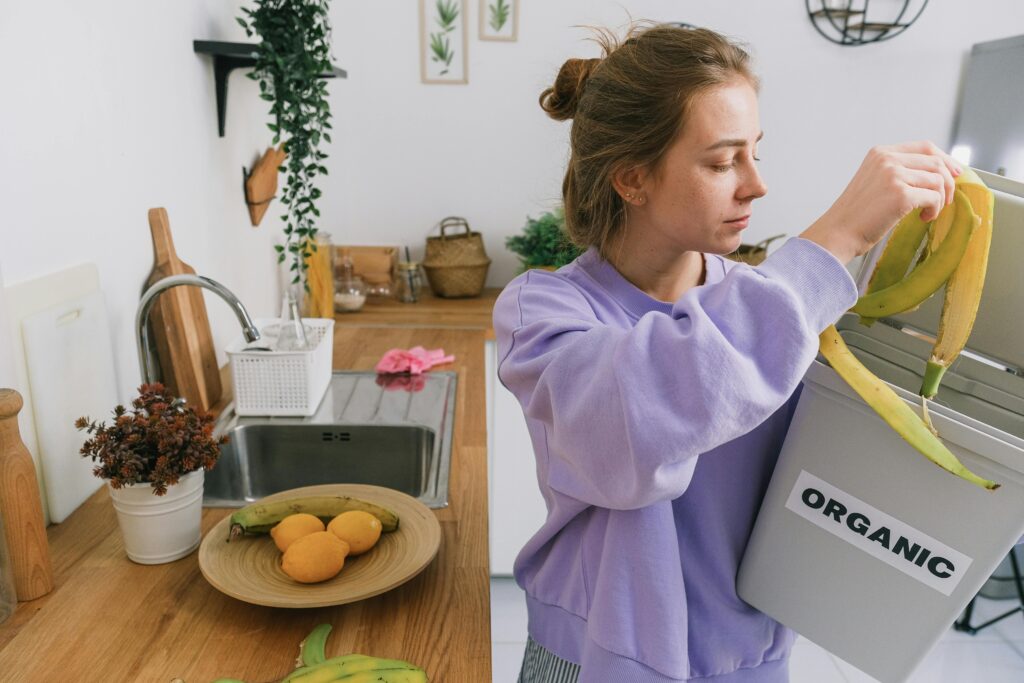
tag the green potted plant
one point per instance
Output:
(294, 51)
(543, 242)
(153, 458)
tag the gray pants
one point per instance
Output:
(540, 665)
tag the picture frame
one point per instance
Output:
(443, 42)
(499, 20)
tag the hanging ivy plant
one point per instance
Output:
(294, 51)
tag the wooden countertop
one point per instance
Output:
(429, 311)
(109, 619)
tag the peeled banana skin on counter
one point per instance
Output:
(954, 252)
(315, 667)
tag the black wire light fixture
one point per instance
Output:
(847, 22)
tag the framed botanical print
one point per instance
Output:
(499, 19)
(443, 41)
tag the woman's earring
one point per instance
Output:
(627, 195)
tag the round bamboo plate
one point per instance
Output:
(249, 569)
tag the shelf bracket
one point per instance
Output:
(230, 56)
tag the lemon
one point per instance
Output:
(357, 528)
(294, 527)
(315, 557)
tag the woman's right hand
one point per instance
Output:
(892, 181)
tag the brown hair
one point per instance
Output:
(627, 109)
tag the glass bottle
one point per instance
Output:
(8, 597)
(291, 333)
(409, 281)
(349, 288)
(319, 300)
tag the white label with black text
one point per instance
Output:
(882, 536)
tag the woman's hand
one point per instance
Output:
(892, 181)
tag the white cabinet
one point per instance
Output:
(516, 507)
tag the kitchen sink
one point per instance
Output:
(368, 429)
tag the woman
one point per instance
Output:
(657, 377)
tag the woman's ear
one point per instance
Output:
(629, 183)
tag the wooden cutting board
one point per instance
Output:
(179, 325)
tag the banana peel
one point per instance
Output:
(965, 285)
(891, 408)
(910, 291)
(943, 243)
(312, 648)
(314, 667)
(903, 244)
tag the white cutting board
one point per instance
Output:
(71, 371)
(26, 298)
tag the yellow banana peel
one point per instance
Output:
(964, 288)
(891, 408)
(928, 277)
(899, 251)
(955, 253)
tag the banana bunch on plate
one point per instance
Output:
(953, 251)
(313, 666)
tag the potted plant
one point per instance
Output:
(293, 54)
(153, 458)
(543, 242)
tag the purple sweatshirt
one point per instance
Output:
(655, 428)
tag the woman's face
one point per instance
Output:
(699, 197)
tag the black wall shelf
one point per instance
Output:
(832, 19)
(229, 56)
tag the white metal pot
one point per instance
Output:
(158, 529)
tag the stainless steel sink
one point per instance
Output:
(364, 432)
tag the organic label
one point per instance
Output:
(882, 536)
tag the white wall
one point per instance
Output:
(486, 151)
(106, 112)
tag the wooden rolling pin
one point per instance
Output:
(21, 507)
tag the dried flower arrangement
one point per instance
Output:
(159, 441)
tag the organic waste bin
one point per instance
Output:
(864, 546)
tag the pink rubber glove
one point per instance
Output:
(415, 361)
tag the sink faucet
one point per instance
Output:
(146, 304)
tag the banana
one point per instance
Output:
(891, 407)
(348, 667)
(963, 291)
(259, 518)
(924, 280)
(903, 244)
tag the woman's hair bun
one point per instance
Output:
(560, 100)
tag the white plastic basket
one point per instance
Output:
(282, 383)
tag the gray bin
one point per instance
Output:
(862, 545)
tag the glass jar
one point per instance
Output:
(319, 300)
(409, 281)
(349, 288)
(8, 598)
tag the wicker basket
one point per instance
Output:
(453, 282)
(753, 254)
(456, 265)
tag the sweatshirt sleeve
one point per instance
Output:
(626, 410)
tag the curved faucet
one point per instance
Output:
(146, 304)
